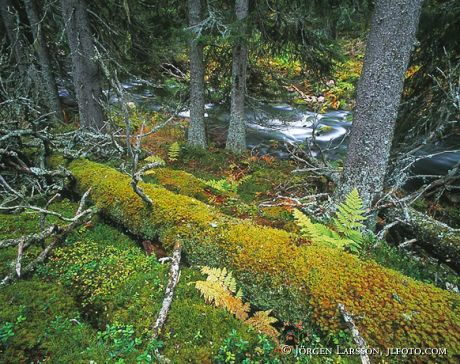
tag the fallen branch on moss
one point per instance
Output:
(58, 234)
(439, 239)
(279, 270)
(29, 239)
(174, 274)
(358, 339)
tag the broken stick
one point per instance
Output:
(173, 279)
(359, 340)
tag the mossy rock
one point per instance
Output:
(395, 310)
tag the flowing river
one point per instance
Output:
(271, 126)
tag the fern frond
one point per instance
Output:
(262, 321)
(212, 292)
(220, 290)
(221, 276)
(307, 228)
(349, 216)
(236, 306)
(154, 159)
(174, 151)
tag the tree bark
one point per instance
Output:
(49, 82)
(85, 70)
(388, 49)
(236, 140)
(196, 131)
(8, 13)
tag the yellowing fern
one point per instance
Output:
(220, 290)
(262, 321)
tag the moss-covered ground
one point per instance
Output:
(97, 298)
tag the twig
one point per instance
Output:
(359, 341)
(29, 239)
(407, 243)
(61, 234)
(174, 274)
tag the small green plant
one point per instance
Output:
(7, 329)
(120, 340)
(221, 185)
(237, 350)
(6, 332)
(174, 151)
(225, 184)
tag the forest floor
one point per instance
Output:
(96, 298)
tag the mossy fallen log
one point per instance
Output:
(278, 270)
(437, 238)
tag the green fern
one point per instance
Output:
(307, 229)
(318, 233)
(222, 185)
(349, 217)
(174, 151)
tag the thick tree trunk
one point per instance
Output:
(85, 70)
(236, 140)
(47, 75)
(196, 131)
(8, 14)
(390, 41)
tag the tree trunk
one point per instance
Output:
(8, 14)
(236, 140)
(47, 75)
(390, 41)
(196, 131)
(276, 270)
(85, 70)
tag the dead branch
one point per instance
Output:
(30, 239)
(359, 340)
(437, 238)
(174, 275)
(58, 234)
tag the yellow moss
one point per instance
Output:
(180, 182)
(394, 310)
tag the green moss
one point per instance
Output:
(41, 314)
(124, 287)
(427, 315)
(180, 182)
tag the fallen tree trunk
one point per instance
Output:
(298, 281)
(437, 238)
